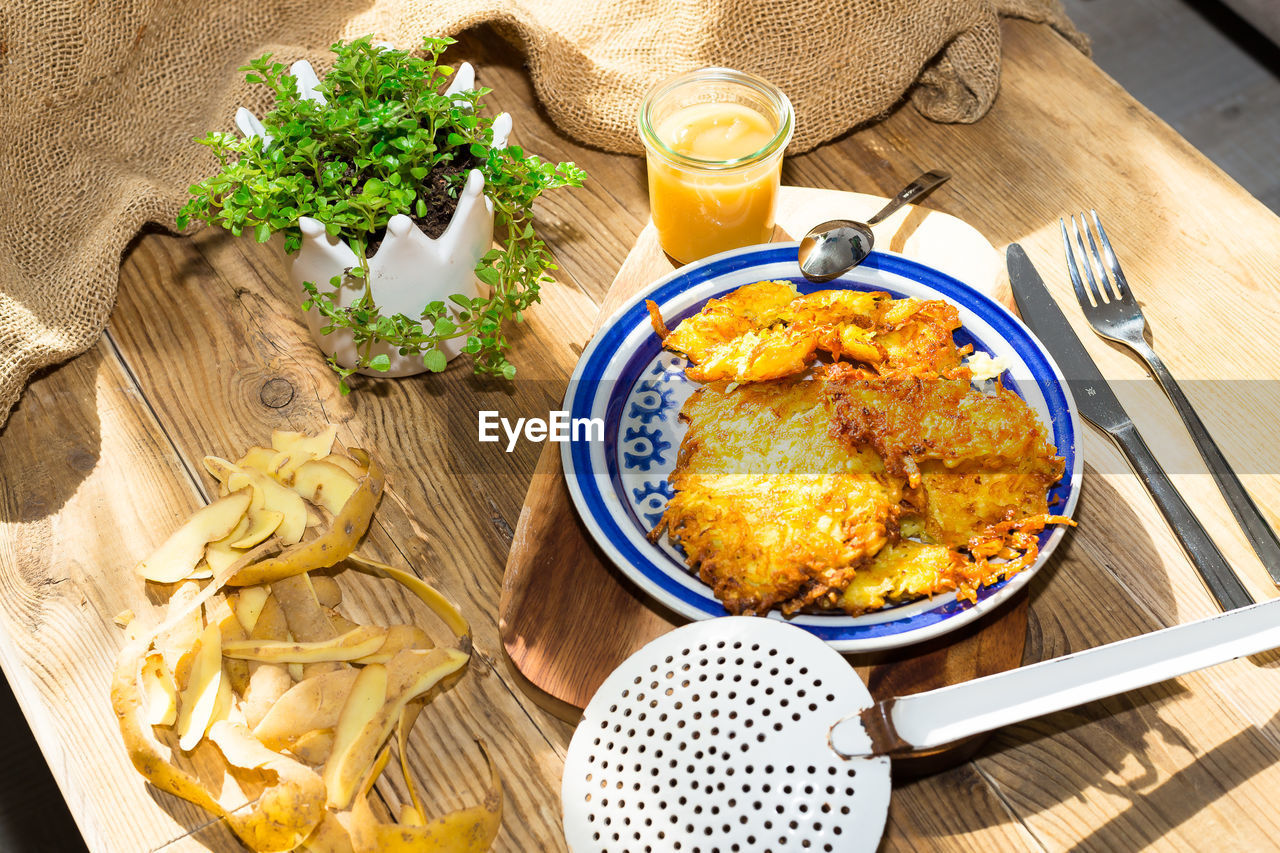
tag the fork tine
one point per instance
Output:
(1084, 262)
(1104, 281)
(1122, 284)
(1072, 269)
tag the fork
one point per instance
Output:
(1114, 313)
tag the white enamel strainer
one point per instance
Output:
(742, 733)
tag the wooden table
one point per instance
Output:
(206, 353)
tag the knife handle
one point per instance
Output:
(1204, 554)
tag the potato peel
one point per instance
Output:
(324, 483)
(466, 830)
(178, 555)
(197, 701)
(214, 666)
(331, 547)
(410, 673)
(313, 704)
(287, 812)
(367, 697)
(247, 605)
(430, 596)
(362, 641)
(161, 693)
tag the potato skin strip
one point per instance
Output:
(350, 759)
(353, 645)
(285, 813)
(161, 693)
(408, 716)
(144, 751)
(409, 674)
(275, 823)
(330, 837)
(250, 660)
(329, 548)
(198, 700)
(429, 595)
(311, 705)
(178, 555)
(466, 830)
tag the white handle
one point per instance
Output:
(941, 716)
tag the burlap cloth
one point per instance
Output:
(99, 102)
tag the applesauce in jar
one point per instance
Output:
(714, 140)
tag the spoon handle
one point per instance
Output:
(912, 192)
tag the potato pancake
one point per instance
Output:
(903, 571)
(767, 330)
(920, 416)
(741, 336)
(880, 478)
(770, 506)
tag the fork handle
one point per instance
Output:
(1208, 560)
(1256, 528)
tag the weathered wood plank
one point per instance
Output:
(97, 468)
(1083, 774)
(90, 485)
(925, 815)
(456, 547)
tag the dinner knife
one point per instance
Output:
(1099, 405)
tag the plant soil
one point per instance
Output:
(440, 192)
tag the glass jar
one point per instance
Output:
(714, 140)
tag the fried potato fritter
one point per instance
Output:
(919, 416)
(880, 478)
(903, 571)
(767, 330)
(741, 336)
(916, 335)
(955, 503)
(770, 506)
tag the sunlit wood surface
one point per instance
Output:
(206, 353)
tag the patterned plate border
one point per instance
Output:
(625, 348)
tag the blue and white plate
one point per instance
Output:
(625, 379)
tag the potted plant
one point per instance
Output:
(388, 189)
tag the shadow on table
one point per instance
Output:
(1176, 800)
(50, 442)
(1084, 596)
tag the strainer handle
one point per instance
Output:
(938, 717)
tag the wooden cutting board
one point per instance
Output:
(568, 617)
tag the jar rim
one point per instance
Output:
(775, 96)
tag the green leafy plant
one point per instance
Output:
(385, 141)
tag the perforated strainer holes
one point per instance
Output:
(712, 746)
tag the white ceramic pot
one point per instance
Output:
(409, 270)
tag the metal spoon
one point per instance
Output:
(832, 248)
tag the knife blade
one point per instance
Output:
(1099, 405)
(1042, 315)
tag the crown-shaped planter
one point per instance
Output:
(409, 270)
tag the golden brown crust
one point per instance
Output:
(768, 330)
(848, 485)
(770, 506)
